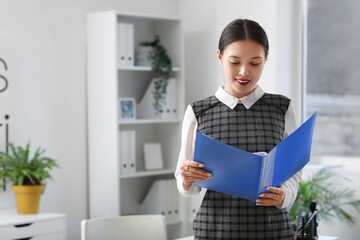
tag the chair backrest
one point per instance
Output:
(124, 227)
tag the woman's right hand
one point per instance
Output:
(191, 171)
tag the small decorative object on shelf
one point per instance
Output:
(127, 109)
(153, 156)
(142, 54)
(162, 67)
(27, 174)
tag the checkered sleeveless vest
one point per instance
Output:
(257, 129)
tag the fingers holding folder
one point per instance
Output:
(191, 171)
(273, 198)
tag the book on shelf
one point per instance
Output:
(121, 44)
(130, 44)
(245, 174)
(170, 101)
(125, 44)
(162, 198)
(127, 148)
(146, 109)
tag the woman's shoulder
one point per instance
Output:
(203, 103)
(277, 100)
(275, 97)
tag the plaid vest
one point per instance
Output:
(257, 129)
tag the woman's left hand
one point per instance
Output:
(276, 196)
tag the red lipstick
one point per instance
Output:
(243, 81)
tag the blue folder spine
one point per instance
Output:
(262, 174)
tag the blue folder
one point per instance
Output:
(245, 174)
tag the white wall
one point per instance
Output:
(44, 44)
(289, 51)
(200, 44)
(281, 20)
(202, 33)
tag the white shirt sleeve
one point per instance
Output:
(291, 186)
(188, 134)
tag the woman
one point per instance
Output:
(242, 115)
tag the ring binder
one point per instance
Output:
(244, 174)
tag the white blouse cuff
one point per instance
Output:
(193, 190)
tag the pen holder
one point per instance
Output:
(307, 226)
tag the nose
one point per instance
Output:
(244, 70)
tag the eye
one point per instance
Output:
(234, 63)
(254, 64)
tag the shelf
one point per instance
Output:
(146, 17)
(175, 221)
(125, 192)
(141, 68)
(148, 121)
(148, 173)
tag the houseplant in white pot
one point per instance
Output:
(27, 174)
(161, 65)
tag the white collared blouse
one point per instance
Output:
(188, 133)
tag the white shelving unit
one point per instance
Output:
(141, 68)
(110, 193)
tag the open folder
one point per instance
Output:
(245, 174)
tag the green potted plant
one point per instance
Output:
(323, 187)
(162, 67)
(27, 174)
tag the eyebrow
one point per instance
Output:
(250, 58)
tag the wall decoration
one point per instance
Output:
(5, 132)
(127, 109)
(3, 80)
(4, 126)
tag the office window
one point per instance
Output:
(332, 63)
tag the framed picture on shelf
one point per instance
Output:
(127, 109)
(153, 156)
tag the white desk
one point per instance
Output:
(41, 226)
(327, 238)
(320, 238)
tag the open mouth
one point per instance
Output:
(242, 81)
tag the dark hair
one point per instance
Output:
(242, 29)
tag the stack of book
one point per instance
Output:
(127, 148)
(125, 44)
(162, 198)
(145, 108)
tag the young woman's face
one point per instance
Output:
(243, 62)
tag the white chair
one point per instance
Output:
(124, 227)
